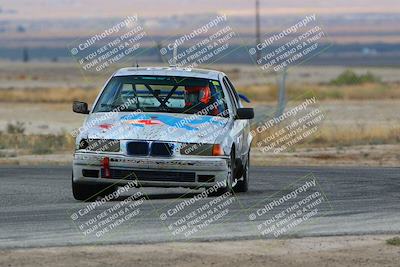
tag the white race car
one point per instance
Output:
(163, 127)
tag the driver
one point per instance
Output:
(197, 97)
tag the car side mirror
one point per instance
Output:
(245, 113)
(80, 107)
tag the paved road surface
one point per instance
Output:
(37, 205)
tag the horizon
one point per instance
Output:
(69, 9)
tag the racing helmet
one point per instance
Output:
(197, 94)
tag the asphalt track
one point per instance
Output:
(37, 206)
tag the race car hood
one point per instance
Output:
(170, 127)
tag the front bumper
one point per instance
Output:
(176, 171)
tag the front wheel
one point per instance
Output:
(89, 192)
(243, 185)
(229, 180)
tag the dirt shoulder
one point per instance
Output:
(315, 251)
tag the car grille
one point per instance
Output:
(138, 148)
(143, 148)
(162, 149)
(143, 175)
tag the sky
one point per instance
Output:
(68, 9)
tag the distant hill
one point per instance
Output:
(342, 28)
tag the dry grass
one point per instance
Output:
(341, 136)
(267, 92)
(361, 135)
(58, 95)
(326, 91)
(37, 144)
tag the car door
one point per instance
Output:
(239, 126)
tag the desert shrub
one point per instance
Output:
(37, 144)
(395, 241)
(2, 143)
(349, 77)
(17, 128)
(41, 146)
(51, 143)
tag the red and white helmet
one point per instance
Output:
(196, 94)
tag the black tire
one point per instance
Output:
(89, 192)
(243, 185)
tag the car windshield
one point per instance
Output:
(163, 94)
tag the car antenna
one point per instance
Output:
(174, 56)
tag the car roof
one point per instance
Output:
(170, 71)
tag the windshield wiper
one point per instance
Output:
(131, 110)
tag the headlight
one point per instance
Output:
(100, 145)
(195, 149)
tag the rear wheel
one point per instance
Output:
(243, 185)
(89, 192)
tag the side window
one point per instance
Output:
(231, 95)
(108, 97)
(234, 92)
